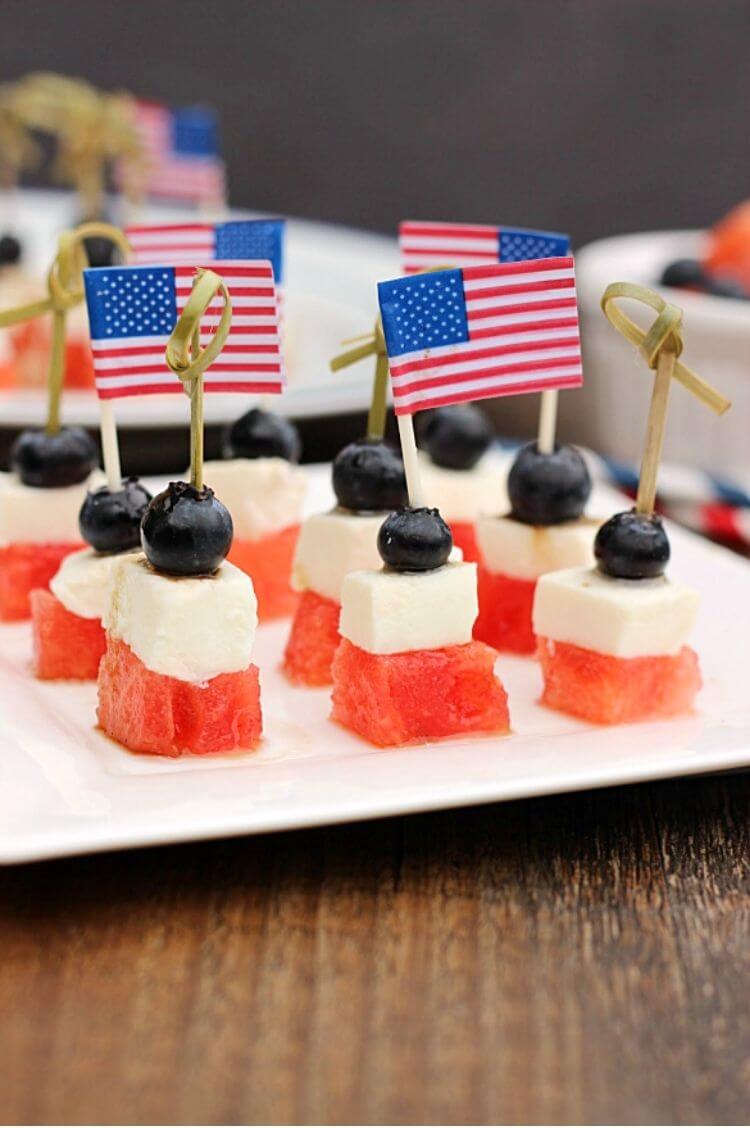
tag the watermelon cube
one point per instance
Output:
(505, 606)
(24, 567)
(313, 640)
(418, 695)
(64, 645)
(465, 537)
(609, 691)
(268, 562)
(164, 716)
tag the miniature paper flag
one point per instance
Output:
(456, 335)
(181, 153)
(425, 245)
(133, 309)
(177, 243)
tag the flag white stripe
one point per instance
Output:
(449, 261)
(467, 389)
(500, 339)
(193, 235)
(486, 243)
(508, 300)
(521, 278)
(403, 380)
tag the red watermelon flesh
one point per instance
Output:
(610, 691)
(394, 699)
(465, 537)
(25, 567)
(313, 640)
(64, 645)
(505, 606)
(268, 563)
(150, 712)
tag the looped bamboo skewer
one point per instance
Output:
(660, 346)
(189, 361)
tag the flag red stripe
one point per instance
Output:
(525, 266)
(490, 392)
(444, 252)
(167, 228)
(412, 227)
(524, 327)
(432, 362)
(520, 307)
(481, 374)
(519, 288)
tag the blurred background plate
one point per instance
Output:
(330, 277)
(611, 414)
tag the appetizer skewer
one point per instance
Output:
(613, 640)
(177, 676)
(51, 469)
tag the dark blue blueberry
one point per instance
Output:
(548, 489)
(10, 250)
(456, 437)
(185, 531)
(369, 475)
(110, 520)
(683, 272)
(632, 546)
(414, 540)
(49, 461)
(261, 434)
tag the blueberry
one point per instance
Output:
(110, 520)
(261, 434)
(632, 546)
(414, 540)
(725, 288)
(368, 475)
(101, 251)
(548, 489)
(10, 250)
(185, 531)
(456, 437)
(683, 272)
(49, 461)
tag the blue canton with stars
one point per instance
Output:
(131, 301)
(195, 132)
(423, 312)
(252, 239)
(518, 244)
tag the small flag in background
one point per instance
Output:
(456, 335)
(181, 153)
(133, 310)
(425, 245)
(177, 243)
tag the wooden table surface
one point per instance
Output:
(581, 958)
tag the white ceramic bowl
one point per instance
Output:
(611, 412)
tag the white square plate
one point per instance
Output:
(66, 789)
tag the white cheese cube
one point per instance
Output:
(624, 618)
(387, 612)
(526, 552)
(463, 495)
(81, 583)
(263, 495)
(29, 515)
(187, 627)
(333, 544)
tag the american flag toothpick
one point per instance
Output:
(455, 335)
(181, 157)
(133, 310)
(478, 332)
(425, 245)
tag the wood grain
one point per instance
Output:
(573, 959)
